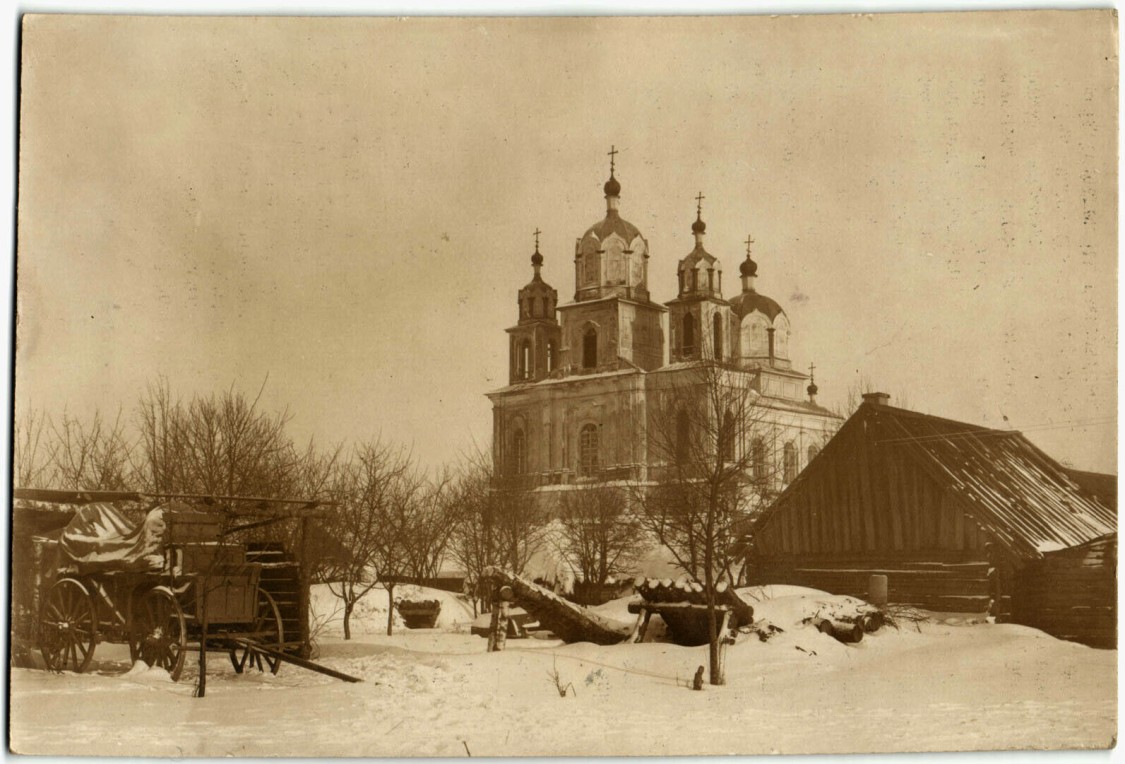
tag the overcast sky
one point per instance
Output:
(346, 206)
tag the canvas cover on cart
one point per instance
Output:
(102, 538)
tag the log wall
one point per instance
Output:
(1071, 594)
(867, 498)
(939, 581)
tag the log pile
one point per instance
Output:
(567, 621)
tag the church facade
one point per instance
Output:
(584, 375)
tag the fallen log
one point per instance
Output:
(569, 622)
(848, 633)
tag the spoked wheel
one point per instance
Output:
(266, 630)
(159, 634)
(68, 627)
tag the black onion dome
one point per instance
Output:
(698, 226)
(748, 267)
(812, 388)
(537, 259)
(612, 187)
(746, 303)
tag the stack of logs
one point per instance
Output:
(682, 604)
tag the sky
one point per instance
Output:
(342, 209)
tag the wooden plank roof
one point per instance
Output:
(1023, 498)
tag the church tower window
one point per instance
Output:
(813, 451)
(590, 348)
(588, 450)
(689, 335)
(550, 356)
(683, 437)
(717, 339)
(519, 453)
(726, 436)
(523, 361)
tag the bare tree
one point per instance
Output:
(600, 536)
(33, 458)
(366, 486)
(501, 522)
(95, 456)
(219, 444)
(431, 526)
(713, 439)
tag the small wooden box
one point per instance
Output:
(188, 527)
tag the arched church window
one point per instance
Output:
(590, 348)
(683, 437)
(813, 451)
(758, 458)
(727, 435)
(524, 362)
(550, 356)
(689, 335)
(717, 338)
(519, 453)
(790, 462)
(588, 450)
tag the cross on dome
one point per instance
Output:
(699, 227)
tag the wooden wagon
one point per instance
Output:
(185, 578)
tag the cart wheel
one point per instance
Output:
(68, 627)
(159, 635)
(268, 631)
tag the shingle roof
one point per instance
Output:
(1023, 498)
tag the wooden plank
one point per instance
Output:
(839, 506)
(865, 495)
(958, 527)
(894, 496)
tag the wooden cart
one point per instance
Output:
(247, 599)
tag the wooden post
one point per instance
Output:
(201, 689)
(495, 621)
(877, 590)
(501, 618)
(724, 640)
(304, 589)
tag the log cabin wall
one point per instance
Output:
(864, 508)
(1072, 594)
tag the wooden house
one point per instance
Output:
(960, 518)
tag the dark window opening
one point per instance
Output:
(588, 450)
(590, 348)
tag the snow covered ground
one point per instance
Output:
(948, 686)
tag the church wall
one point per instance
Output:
(577, 319)
(552, 416)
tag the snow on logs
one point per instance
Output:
(569, 622)
(682, 606)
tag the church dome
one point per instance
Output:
(746, 303)
(611, 224)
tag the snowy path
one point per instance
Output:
(430, 693)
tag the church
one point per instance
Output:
(584, 375)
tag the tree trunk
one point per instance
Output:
(390, 608)
(348, 605)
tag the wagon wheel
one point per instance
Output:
(68, 627)
(268, 631)
(159, 634)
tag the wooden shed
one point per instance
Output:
(960, 518)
